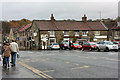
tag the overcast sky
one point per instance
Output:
(62, 9)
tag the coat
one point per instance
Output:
(14, 47)
(7, 51)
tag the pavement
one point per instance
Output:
(64, 64)
(17, 71)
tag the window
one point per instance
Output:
(116, 33)
(52, 40)
(51, 33)
(76, 33)
(84, 33)
(97, 32)
(66, 33)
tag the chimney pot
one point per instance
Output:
(84, 18)
(52, 17)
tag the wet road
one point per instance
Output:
(68, 64)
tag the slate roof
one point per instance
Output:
(69, 25)
(25, 27)
(116, 27)
(22, 28)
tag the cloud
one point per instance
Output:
(61, 10)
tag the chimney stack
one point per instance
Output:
(84, 18)
(52, 17)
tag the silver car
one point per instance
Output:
(54, 46)
(106, 46)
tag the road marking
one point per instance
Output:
(77, 64)
(49, 71)
(40, 73)
(67, 62)
(80, 67)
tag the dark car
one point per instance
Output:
(64, 45)
(76, 46)
(88, 46)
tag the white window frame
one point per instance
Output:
(84, 33)
(67, 33)
(97, 33)
(52, 34)
(76, 33)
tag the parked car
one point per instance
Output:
(88, 46)
(76, 46)
(64, 45)
(54, 46)
(106, 46)
(117, 43)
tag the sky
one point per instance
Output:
(62, 9)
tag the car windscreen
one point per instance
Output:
(65, 42)
(115, 42)
(55, 44)
(92, 43)
(109, 43)
(76, 44)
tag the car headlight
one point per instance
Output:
(92, 46)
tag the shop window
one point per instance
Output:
(97, 33)
(52, 40)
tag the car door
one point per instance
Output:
(104, 46)
(100, 45)
(84, 44)
(87, 46)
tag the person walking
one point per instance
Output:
(6, 54)
(2, 52)
(14, 50)
(70, 45)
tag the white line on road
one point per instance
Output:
(49, 71)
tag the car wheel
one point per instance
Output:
(63, 48)
(90, 49)
(98, 50)
(116, 50)
(74, 48)
(107, 49)
(82, 49)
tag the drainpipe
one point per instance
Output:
(39, 40)
(108, 35)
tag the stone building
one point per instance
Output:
(116, 32)
(54, 31)
(20, 35)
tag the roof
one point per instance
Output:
(25, 27)
(116, 28)
(15, 29)
(22, 28)
(69, 25)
